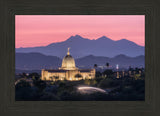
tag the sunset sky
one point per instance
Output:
(41, 30)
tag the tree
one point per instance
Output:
(130, 68)
(35, 76)
(98, 74)
(108, 83)
(24, 91)
(22, 84)
(24, 75)
(107, 64)
(95, 65)
(41, 85)
(108, 72)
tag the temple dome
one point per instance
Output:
(68, 62)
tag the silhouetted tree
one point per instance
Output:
(22, 84)
(95, 65)
(41, 85)
(108, 83)
(130, 68)
(108, 72)
(107, 64)
(23, 75)
(98, 74)
(24, 91)
(35, 76)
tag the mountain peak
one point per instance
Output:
(123, 40)
(76, 37)
(102, 46)
(104, 38)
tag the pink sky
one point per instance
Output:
(41, 30)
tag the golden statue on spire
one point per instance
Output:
(68, 53)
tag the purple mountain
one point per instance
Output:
(37, 61)
(81, 47)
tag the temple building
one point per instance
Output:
(68, 71)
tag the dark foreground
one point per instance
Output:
(127, 88)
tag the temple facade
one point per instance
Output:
(68, 71)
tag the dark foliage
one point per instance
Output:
(121, 89)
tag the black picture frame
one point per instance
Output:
(10, 8)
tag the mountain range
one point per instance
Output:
(81, 47)
(38, 61)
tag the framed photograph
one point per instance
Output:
(79, 58)
(94, 67)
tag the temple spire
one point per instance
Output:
(68, 53)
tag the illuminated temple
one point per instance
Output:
(68, 71)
